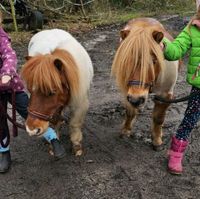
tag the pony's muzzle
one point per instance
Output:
(34, 132)
(35, 126)
(136, 102)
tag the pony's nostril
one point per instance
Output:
(132, 100)
(38, 130)
(141, 100)
(135, 101)
(129, 98)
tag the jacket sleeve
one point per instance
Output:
(176, 49)
(8, 56)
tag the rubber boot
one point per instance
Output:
(5, 161)
(58, 149)
(176, 153)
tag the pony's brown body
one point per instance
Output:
(139, 67)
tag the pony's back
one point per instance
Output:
(46, 41)
(147, 23)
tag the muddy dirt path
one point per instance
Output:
(111, 168)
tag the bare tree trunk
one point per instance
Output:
(13, 15)
(83, 9)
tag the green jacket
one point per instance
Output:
(186, 41)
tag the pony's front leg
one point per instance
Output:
(76, 122)
(57, 127)
(131, 113)
(159, 113)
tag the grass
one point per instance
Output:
(113, 16)
(107, 15)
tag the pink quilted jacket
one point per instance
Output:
(8, 61)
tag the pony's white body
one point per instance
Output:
(167, 78)
(47, 41)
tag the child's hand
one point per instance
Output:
(162, 46)
(5, 79)
(196, 22)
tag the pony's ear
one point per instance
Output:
(158, 36)
(28, 57)
(58, 64)
(124, 33)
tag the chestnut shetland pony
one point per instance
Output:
(58, 73)
(139, 68)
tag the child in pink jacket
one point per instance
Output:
(9, 79)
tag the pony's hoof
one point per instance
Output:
(124, 138)
(158, 147)
(51, 152)
(125, 135)
(79, 153)
(78, 150)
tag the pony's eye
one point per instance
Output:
(154, 61)
(51, 93)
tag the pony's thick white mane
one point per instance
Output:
(46, 41)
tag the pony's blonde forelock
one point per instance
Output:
(134, 53)
(40, 72)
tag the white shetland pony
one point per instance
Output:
(58, 73)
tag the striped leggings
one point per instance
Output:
(191, 116)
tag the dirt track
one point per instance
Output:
(111, 168)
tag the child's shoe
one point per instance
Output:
(5, 161)
(176, 153)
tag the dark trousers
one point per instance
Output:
(21, 100)
(191, 116)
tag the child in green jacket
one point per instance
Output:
(187, 41)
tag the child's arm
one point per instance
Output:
(8, 56)
(176, 49)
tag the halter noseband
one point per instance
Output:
(50, 118)
(138, 83)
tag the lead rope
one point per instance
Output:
(170, 101)
(182, 99)
(2, 125)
